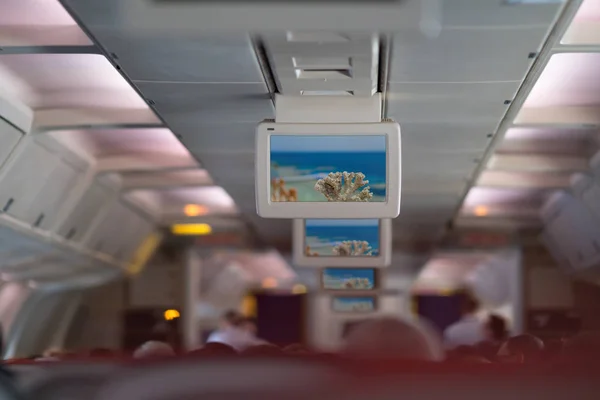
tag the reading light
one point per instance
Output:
(480, 211)
(171, 314)
(299, 289)
(191, 229)
(269, 283)
(194, 210)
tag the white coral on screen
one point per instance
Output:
(343, 186)
(350, 248)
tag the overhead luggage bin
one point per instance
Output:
(587, 189)
(573, 227)
(15, 122)
(37, 178)
(595, 165)
(76, 221)
(117, 230)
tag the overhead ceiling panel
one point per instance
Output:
(433, 185)
(519, 179)
(150, 179)
(229, 168)
(110, 142)
(426, 207)
(210, 58)
(494, 14)
(450, 102)
(463, 137)
(505, 197)
(219, 138)
(549, 140)
(84, 86)
(554, 99)
(209, 103)
(585, 27)
(418, 164)
(38, 23)
(494, 55)
(580, 89)
(537, 163)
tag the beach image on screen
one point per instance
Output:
(353, 304)
(341, 237)
(349, 278)
(308, 168)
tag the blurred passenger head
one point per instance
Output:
(230, 318)
(154, 349)
(391, 337)
(263, 350)
(495, 328)
(248, 324)
(584, 347)
(521, 349)
(469, 303)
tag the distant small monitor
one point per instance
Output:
(328, 170)
(349, 279)
(342, 242)
(353, 304)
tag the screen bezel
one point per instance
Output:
(348, 292)
(384, 258)
(328, 210)
(374, 298)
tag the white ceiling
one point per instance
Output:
(449, 93)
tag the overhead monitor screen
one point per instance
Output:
(353, 304)
(323, 168)
(341, 237)
(349, 279)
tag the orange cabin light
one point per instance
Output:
(194, 210)
(171, 314)
(269, 283)
(480, 211)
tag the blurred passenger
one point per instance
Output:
(391, 337)
(521, 349)
(469, 329)
(495, 329)
(154, 349)
(239, 334)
